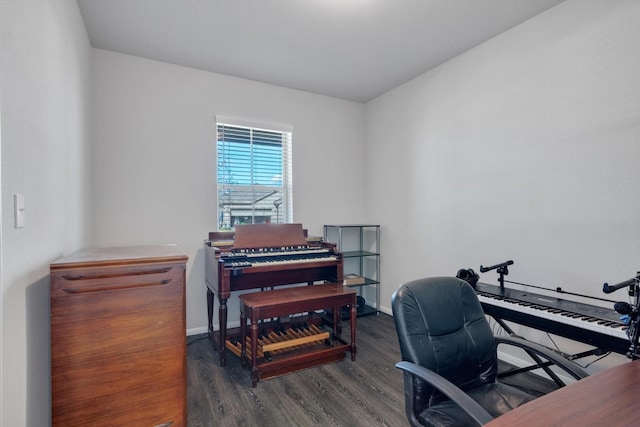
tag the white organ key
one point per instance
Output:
(283, 256)
(292, 261)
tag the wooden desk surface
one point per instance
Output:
(608, 398)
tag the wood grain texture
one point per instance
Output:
(607, 398)
(118, 349)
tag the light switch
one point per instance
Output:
(19, 210)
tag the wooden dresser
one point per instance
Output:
(118, 337)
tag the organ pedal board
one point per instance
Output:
(274, 341)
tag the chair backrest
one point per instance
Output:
(441, 326)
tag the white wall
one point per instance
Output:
(153, 157)
(524, 148)
(44, 77)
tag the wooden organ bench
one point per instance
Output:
(276, 355)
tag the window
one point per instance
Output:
(254, 175)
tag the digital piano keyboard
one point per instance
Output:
(597, 326)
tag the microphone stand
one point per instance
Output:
(501, 269)
(630, 311)
(634, 323)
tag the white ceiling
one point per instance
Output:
(350, 49)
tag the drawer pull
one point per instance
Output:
(114, 287)
(122, 274)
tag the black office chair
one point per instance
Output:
(449, 356)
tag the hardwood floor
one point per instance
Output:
(367, 392)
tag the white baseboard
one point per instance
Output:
(204, 329)
(386, 310)
(512, 360)
(197, 331)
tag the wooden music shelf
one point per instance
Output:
(277, 355)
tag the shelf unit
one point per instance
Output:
(360, 248)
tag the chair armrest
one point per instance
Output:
(470, 406)
(568, 366)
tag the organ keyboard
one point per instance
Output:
(259, 256)
(593, 325)
(245, 258)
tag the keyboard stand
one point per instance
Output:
(539, 363)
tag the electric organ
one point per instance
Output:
(262, 256)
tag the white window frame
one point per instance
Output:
(227, 215)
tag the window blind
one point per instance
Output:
(254, 176)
